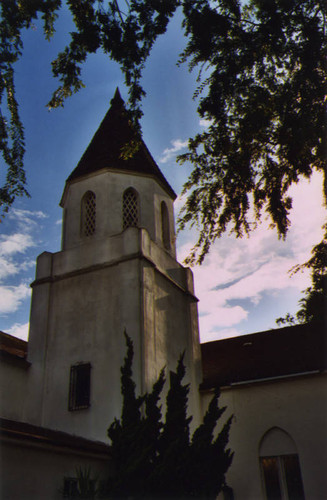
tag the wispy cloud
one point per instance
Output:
(11, 245)
(177, 146)
(241, 272)
(15, 243)
(11, 267)
(16, 258)
(179, 204)
(19, 330)
(12, 297)
(223, 316)
(26, 219)
(205, 123)
(221, 334)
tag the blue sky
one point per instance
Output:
(243, 285)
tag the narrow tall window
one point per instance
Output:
(280, 466)
(88, 214)
(130, 208)
(165, 232)
(80, 386)
(282, 477)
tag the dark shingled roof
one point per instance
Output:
(104, 150)
(13, 349)
(48, 437)
(282, 352)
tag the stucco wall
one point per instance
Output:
(36, 473)
(170, 330)
(298, 407)
(85, 323)
(13, 385)
(83, 300)
(109, 188)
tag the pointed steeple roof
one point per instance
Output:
(104, 150)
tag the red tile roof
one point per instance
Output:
(104, 150)
(276, 353)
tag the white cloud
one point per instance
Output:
(222, 334)
(169, 153)
(26, 220)
(249, 268)
(13, 243)
(19, 330)
(11, 263)
(12, 297)
(26, 215)
(205, 123)
(179, 203)
(218, 316)
(15, 258)
(8, 268)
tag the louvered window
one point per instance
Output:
(80, 386)
(130, 208)
(88, 225)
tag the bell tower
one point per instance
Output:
(116, 271)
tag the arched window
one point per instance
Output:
(130, 208)
(88, 214)
(280, 466)
(165, 232)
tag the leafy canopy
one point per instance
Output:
(156, 458)
(313, 305)
(261, 85)
(265, 98)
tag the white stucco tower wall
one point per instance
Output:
(116, 271)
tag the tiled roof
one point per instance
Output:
(12, 348)
(41, 435)
(104, 150)
(282, 352)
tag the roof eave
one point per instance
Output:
(165, 186)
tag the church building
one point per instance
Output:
(117, 271)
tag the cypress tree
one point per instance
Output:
(156, 458)
(173, 445)
(125, 434)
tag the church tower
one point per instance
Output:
(116, 271)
